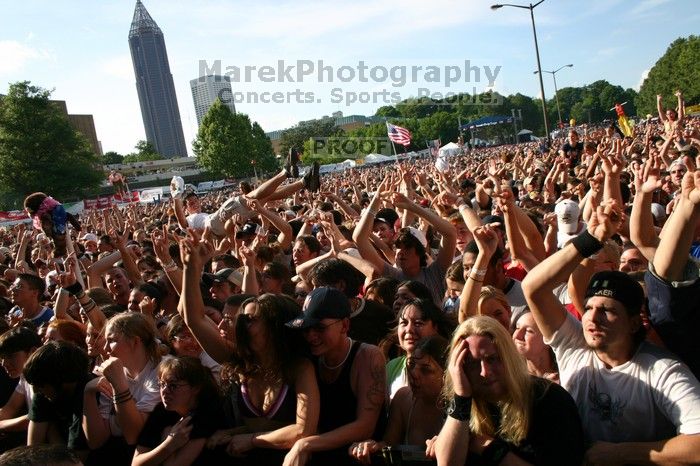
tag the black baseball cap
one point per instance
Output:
(618, 286)
(388, 216)
(322, 303)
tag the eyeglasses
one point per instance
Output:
(320, 328)
(165, 386)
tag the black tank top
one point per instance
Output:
(338, 402)
(338, 407)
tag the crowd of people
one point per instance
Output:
(527, 305)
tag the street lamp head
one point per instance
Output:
(570, 65)
(496, 6)
(535, 72)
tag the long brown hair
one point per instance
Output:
(285, 344)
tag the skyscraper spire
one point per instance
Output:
(154, 83)
(142, 21)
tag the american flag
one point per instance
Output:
(398, 134)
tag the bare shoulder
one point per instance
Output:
(369, 356)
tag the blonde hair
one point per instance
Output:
(515, 409)
(490, 292)
(132, 325)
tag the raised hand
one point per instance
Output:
(605, 219)
(647, 177)
(455, 367)
(486, 238)
(247, 256)
(690, 187)
(194, 252)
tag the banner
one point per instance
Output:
(151, 195)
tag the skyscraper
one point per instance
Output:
(206, 89)
(154, 83)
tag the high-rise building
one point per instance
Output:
(205, 91)
(154, 83)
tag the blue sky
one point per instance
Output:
(80, 49)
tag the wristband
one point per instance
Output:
(463, 206)
(586, 244)
(460, 408)
(476, 279)
(371, 212)
(494, 453)
(89, 307)
(75, 289)
(478, 272)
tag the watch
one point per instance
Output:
(460, 408)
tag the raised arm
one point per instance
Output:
(285, 237)
(660, 109)
(194, 254)
(250, 280)
(444, 227)
(548, 312)
(363, 230)
(672, 253)
(647, 180)
(487, 241)
(132, 270)
(96, 271)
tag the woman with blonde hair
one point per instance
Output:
(497, 410)
(117, 405)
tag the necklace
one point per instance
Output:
(332, 368)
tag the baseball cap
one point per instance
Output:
(322, 303)
(618, 286)
(494, 219)
(419, 236)
(223, 275)
(89, 237)
(388, 216)
(567, 216)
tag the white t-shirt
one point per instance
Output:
(651, 397)
(197, 221)
(144, 388)
(516, 298)
(214, 367)
(25, 389)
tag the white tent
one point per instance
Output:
(348, 163)
(449, 150)
(377, 158)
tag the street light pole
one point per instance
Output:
(532, 7)
(556, 91)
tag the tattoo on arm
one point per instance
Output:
(377, 389)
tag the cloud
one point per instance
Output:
(14, 56)
(642, 78)
(646, 5)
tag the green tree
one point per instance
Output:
(40, 150)
(299, 134)
(112, 157)
(229, 145)
(676, 70)
(144, 152)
